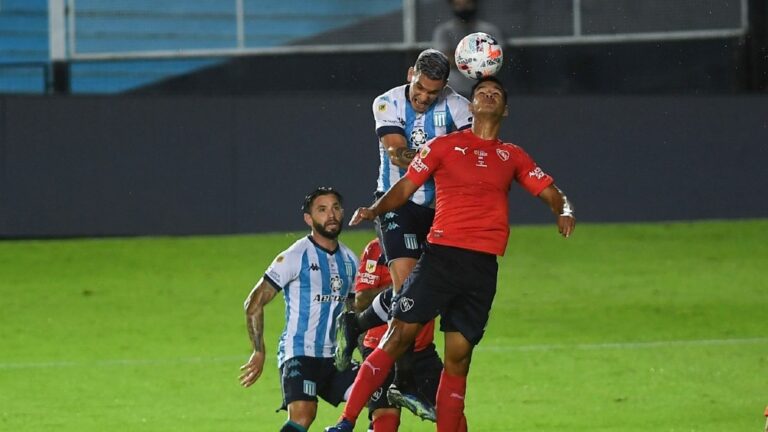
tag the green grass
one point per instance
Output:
(623, 327)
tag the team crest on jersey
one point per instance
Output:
(418, 137)
(370, 266)
(349, 267)
(503, 154)
(336, 283)
(439, 118)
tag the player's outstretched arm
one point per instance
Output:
(562, 207)
(395, 197)
(261, 294)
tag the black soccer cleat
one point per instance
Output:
(414, 403)
(347, 332)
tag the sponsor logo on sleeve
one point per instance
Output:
(538, 173)
(370, 266)
(275, 276)
(368, 279)
(419, 165)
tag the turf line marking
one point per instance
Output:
(623, 345)
(123, 362)
(238, 359)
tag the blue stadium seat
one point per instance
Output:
(142, 25)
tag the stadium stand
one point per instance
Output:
(122, 26)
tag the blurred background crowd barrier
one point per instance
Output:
(94, 46)
(168, 117)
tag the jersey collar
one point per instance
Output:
(330, 252)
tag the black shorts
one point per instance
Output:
(306, 378)
(457, 284)
(427, 367)
(403, 232)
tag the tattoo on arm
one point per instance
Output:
(405, 155)
(262, 294)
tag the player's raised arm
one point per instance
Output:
(395, 197)
(261, 294)
(398, 150)
(562, 207)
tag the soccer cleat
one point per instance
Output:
(347, 332)
(412, 402)
(343, 425)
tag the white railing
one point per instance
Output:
(64, 36)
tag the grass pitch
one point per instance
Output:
(625, 327)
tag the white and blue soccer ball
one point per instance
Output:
(479, 55)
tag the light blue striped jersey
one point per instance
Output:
(394, 114)
(315, 283)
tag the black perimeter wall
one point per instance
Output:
(145, 165)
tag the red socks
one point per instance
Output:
(450, 403)
(371, 376)
(386, 423)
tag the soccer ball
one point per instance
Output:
(478, 55)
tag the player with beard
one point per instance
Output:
(316, 276)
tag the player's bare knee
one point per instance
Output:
(458, 367)
(458, 354)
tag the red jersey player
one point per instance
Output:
(456, 275)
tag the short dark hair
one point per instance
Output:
(492, 79)
(306, 207)
(433, 64)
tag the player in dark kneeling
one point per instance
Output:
(417, 374)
